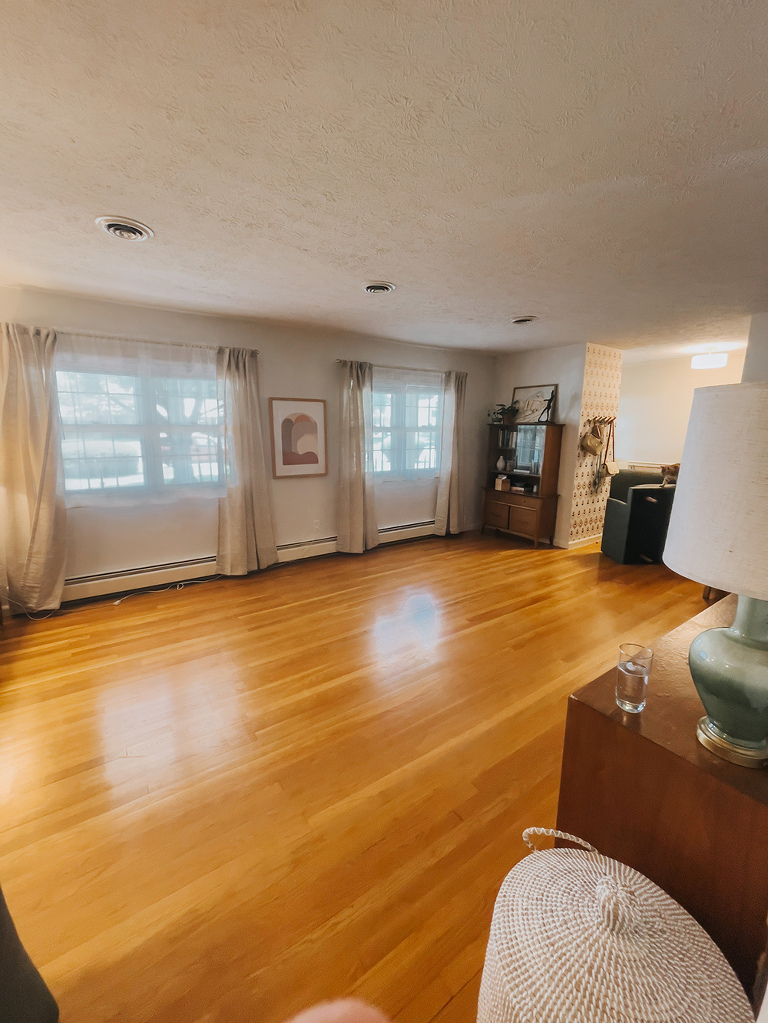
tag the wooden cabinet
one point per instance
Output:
(531, 452)
(534, 520)
(643, 790)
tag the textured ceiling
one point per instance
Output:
(600, 163)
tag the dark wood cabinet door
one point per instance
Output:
(496, 514)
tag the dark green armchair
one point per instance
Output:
(637, 517)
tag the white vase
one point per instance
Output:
(501, 464)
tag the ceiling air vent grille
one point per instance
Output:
(124, 228)
(378, 287)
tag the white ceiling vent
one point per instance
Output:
(125, 228)
(378, 287)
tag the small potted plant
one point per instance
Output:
(506, 413)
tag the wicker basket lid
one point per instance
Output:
(580, 938)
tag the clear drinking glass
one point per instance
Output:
(632, 673)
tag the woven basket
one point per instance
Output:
(580, 938)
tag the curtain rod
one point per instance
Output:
(144, 340)
(411, 369)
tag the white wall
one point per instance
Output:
(294, 361)
(564, 367)
(655, 403)
(756, 361)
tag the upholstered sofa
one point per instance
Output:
(637, 517)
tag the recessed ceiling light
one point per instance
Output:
(124, 228)
(522, 319)
(378, 287)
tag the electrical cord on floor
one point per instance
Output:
(164, 589)
(131, 593)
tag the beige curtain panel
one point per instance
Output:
(33, 517)
(246, 533)
(357, 528)
(449, 512)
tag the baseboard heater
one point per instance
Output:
(409, 526)
(327, 544)
(83, 586)
(80, 587)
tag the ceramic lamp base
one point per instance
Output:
(710, 736)
(730, 672)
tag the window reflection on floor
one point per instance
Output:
(161, 734)
(413, 629)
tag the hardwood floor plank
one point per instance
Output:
(226, 802)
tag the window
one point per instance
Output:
(138, 425)
(407, 423)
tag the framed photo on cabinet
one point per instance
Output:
(297, 429)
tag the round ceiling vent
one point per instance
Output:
(125, 228)
(522, 319)
(378, 287)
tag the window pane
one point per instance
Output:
(427, 410)
(421, 450)
(122, 408)
(121, 385)
(382, 408)
(180, 401)
(96, 398)
(189, 456)
(382, 445)
(102, 461)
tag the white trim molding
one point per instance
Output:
(585, 541)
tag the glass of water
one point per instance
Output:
(634, 667)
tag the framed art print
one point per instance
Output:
(297, 428)
(535, 404)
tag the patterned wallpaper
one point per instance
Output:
(600, 397)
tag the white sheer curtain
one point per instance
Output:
(357, 527)
(32, 510)
(141, 421)
(449, 513)
(246, 534)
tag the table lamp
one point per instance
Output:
(718, 536)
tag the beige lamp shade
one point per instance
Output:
(718, 531)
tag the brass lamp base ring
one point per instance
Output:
(717, 743)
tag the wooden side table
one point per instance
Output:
(643, 790)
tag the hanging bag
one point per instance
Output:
(592, 442)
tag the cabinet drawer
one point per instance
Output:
(495, 514)
(523, 501)
(523, 520)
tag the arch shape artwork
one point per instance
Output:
(298, 437)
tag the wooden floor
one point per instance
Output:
(227, 802)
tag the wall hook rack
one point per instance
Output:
(601, 420)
